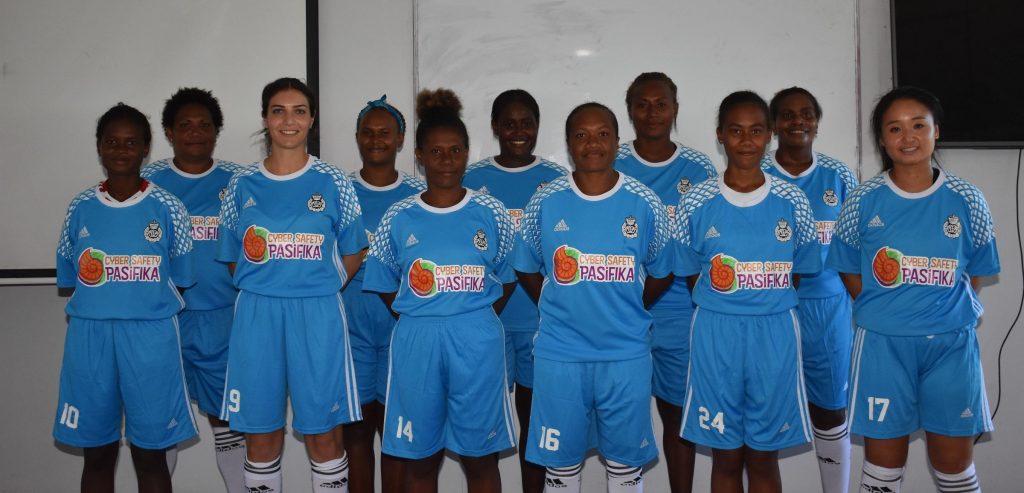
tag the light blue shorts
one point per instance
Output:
(519, 357)
(204, 347)
(670, 352)
(826, 333)
(369, 326)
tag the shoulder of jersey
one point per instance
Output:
(167, 198)
(767, 163)
(554, 186)
(490, 202)
(329, 169)
(554, 167)
(697, 157)
(413, 182)
(971, 195)
(787, 191)
(634, 186)
(155, 167)
(398, 207)
(701, 193)
(624, 151)
(83, 196)
(483, 163)
(231, 167)
(838, 167)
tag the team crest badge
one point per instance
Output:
(783, 232)
(830, 198)
(222, 193)
(480, 240)
(951, 228)
(153, 233)
(684, 185)
(629, 227)
(316, 202)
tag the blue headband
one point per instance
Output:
(382, 103)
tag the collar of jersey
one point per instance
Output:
(594, 198)
(745, 199)
(445, 210)
(186, 174)
(810, 169)
(915, 195)
(494, 161)
(109, 201)
(662, 164)
(374, 188)
(289, 176)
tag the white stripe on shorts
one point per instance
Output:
(858, 348)
(801, 389)
(689, 374)
(181, 366)
(507, 404)
(355, 411)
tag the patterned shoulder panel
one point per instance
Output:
(624, 151)
(662, 228)
(228, 206)
(230, 167)
(698, 157)
(849, 217)
(179, 219)
(379, 247)
(155, 167)
(64, 247)
(416, 183)
(554, 167)
(348, 202)
(699, 195)
(840, 168)
(801, 209)
(981, 217)
(530, 227)
(505, 229)
(483, 163)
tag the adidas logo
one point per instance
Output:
(84, 233)
(634, 482)
(967, 413)
(411, 241)
(561, 226)
(230, 446)
(644, 443)
(827, 460)
(876, 222)
(876, 489)
(785, 428)
(554, 483)
(336, 484)
(335, 408)
(492, 435)
(260, 489)
(249, 203)
(712, 233)
(172, 424)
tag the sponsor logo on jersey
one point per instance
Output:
(153, 233)
(316, 202)
(876, 222)
(96, 268)
(951, 228)
(561, 226)
(480, 240)
(783, 232)
(204, 228)
(427, 279)
(249, 203)
(629, 227)
(516, 215)
(830, 198)
(892, 268)
(573, 266)
(712, 233)
(728, 275)
(411, 240)
(684, 185)
(83, 233)
(825, 229)
(260, 245)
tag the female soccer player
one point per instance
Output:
(598, 241)
(670, 169)
(292, 232)
(512, 177)
(125, 239)
(438, 258)
(911, 245)
(191, 120)
(747, 234)
(826, 329)
(380, 135)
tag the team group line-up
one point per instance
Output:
(772, 305)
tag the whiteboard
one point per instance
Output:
(567, 53)
(64, 63)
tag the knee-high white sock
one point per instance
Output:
(172, 459)
(563, 479)
(331, 476)
(264, 477)
(965, 481)
(230, 449)
(878, 479)
(833, 450)
(624, 479)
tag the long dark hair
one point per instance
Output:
(922, 96)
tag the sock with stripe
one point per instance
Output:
(833, 450)
(230, 449)
(330, 476)
(264, 477)
(563, 479)
(172, 459)
(624, 479)
(965, 481)
(878, 479)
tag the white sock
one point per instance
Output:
(962, 482)
(833, 450)
(624, 479)
(563, 479)
(331, 476)
(172, 459)
(878, 479)
(264, 477)
(230, 448)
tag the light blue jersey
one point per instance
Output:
(441, 262)
(596, 252)
(915, 253)
(375, 201)
(746, 246)
(125, 259)
(202, 195)
(827, 183)
(514, 187)
(287, 234)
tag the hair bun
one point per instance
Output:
(437, 103)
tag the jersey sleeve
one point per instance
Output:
(844, 251)
(66, 273)
(807, 254)
(181, 256)
(349, 228)
(527, 253)
(983, 259)
(228, 244)
(383, 273)
(659, 261)
(687, 261)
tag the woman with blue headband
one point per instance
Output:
(380, 133)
